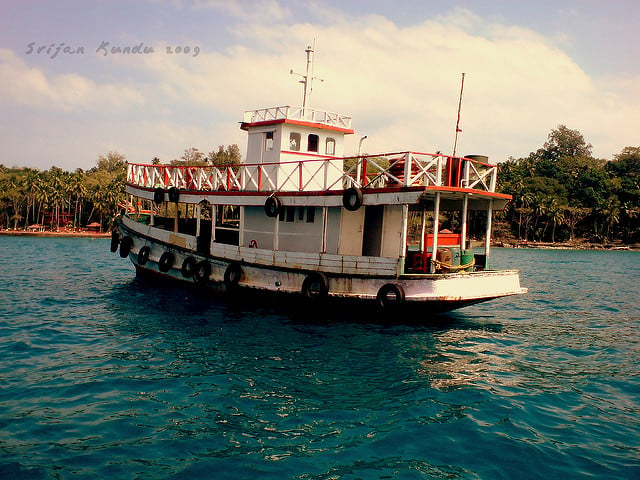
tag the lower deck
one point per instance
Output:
(310, 275)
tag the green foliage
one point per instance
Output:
(56, 198)
(192, 157)
(561, 191)
(223, 157)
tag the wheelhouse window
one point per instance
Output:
(311, 214)
(313, 141)
(288, 214)
(330, 146)
(268, 141)
(294, 141)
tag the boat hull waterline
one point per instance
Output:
(237, 274)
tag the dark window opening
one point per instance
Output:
(311, 214)
(313, 141)
(291, 214)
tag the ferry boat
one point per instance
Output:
(299, 220)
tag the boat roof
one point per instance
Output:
(304, 116)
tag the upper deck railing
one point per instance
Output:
(305, 114)
(388, 171)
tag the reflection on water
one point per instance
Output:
(107, 376)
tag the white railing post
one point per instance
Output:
(494, 177)
(407, 169)
(439, 171)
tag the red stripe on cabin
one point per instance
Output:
(245, 126)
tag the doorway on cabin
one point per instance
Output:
(372, 234)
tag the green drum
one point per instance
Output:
(466, 258)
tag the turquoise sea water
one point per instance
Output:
(105, 376)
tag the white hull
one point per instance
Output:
(348, 279)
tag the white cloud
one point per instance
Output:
(400, 84)
(35, 88)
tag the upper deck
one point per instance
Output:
(392, 173)
(303, 115)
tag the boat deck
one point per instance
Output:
(411, 174)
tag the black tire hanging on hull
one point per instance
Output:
(272, 206)
(143, 255)
(174, 194)
(188, 267)
(315, 286)
(125, 246)
(232, 275)
(390, 295)
(201, 272)
(166, 262)
(352, 199)
(115, 241)
(158, 196)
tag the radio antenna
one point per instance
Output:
(308, 78)
(458, 130)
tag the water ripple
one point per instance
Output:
(105, 376)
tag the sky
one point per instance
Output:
(394, 66)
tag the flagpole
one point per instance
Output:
(458, 130)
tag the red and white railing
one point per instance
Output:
(390, 171)
(305, 114)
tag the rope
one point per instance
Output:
(452, 268)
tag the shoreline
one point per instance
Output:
(499, 244)
(26, 233)
(568, 245)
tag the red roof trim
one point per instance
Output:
(246, 125)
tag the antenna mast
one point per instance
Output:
(307, 79)
(458, 130)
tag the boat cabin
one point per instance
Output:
(296, 192)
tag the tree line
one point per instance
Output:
(55, 199)
(562, 193)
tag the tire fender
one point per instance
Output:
(352, 199)
(166, 262)
(174, 194)
(315, 286)
(232, 275)
(143, 255)
(272, 206)
(201, 272)
(158, 195)
(115, 241)
(188, 267)
(125, 246)
(389, 295)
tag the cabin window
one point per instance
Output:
(311, 214)
(227, 229)
(268, 141)
(291, 214)
(313, 141)
(330, 146)
(294, 141)
(288, 214)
